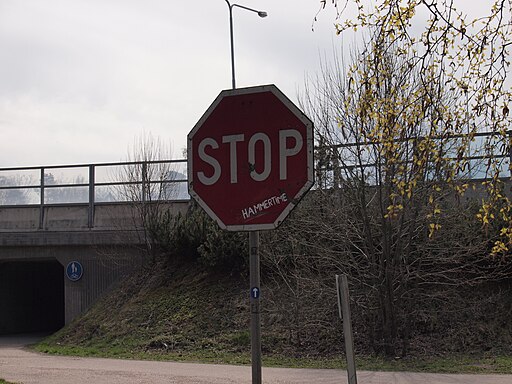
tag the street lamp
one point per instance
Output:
(231, 6)
(253, 236)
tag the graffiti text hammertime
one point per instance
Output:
(264, 205)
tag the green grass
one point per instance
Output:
(2, 381)
(182, 319)
(445, 364)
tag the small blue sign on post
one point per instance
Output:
(255, 293)
(74, 271)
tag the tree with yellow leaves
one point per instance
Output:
(403, 133)
(448, 50)
(387, 153)
(396, 159)
(400, 137)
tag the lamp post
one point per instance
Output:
(231, 6)
(254, 261)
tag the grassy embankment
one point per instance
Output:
(190, 314)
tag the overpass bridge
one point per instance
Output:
(89, 214)
(56, 215)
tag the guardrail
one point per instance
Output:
(351, 159)
(92, 184)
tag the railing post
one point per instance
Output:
(92, 182)
(145, 182)
(510, 153)
(41, 200)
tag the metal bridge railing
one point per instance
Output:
(92, 184)
(486, 153)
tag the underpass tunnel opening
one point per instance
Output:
(31, 296)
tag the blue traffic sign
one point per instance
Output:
(255, 293)
(74, 271)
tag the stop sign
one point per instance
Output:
(250, 158)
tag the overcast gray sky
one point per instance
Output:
(80, 79)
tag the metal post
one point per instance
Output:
(231, 34)
(510, 153)
(254, 265)
(41, 200)
(233, 83)
(90, 218)
(254, 241)
(144, 182)
(344, 311)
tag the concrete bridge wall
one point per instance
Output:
(77, 217)
(33, 260)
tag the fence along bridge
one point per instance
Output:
(89, 192)
(95, 197)
(54, 215)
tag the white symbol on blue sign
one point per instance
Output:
(74, 271)
(255, 293)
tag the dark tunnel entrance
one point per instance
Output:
(31, 296)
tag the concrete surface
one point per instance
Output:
(24, 367)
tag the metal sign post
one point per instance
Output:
(255, 146)
(254, 266)
(344, 312)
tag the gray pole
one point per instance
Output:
(344, 308)
(254, 241)
(254, 265)
(41, 200)
(510, 153)
(231, 34)
(92, 181)
(233, 83)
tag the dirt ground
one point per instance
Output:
(19, 365)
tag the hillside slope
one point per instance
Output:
(185, 311)
(165, 310)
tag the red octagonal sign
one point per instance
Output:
(250, 158)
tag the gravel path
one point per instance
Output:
(21, 366)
